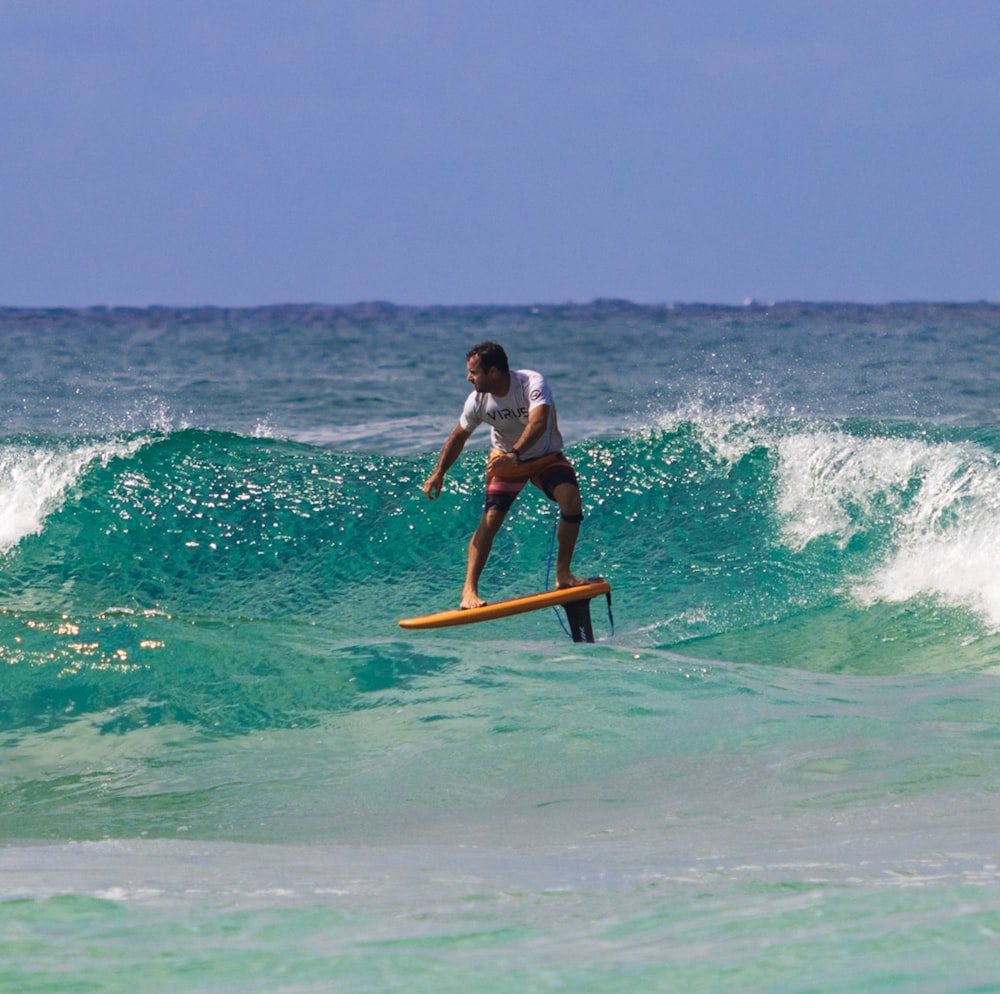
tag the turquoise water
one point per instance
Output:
(225, 767)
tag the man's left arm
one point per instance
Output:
(538, 421)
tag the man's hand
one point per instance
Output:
(499, 458)
(450, 451)
(433, 485)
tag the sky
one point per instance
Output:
(251, 152)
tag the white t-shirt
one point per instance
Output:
(508, 415)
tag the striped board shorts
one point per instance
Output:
(503, 484)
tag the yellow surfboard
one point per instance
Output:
(516, 605)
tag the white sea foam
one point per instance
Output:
(941, 500)
(829, 480)
(34, 480)
(949, 543)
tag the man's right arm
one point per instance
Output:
(450, 451)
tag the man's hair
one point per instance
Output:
(490, 354)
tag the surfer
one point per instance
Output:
(518, 407)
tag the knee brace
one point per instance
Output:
(573, 519)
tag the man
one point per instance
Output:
(518, 407)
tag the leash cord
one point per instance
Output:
(548, 572)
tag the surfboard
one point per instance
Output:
(515, 605)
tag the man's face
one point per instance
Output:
(479, 380)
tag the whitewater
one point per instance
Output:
(225, 767)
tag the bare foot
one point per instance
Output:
(470, 599)
(569, 580)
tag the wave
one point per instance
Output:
(35, 476)
(238, 582)
(222, 525)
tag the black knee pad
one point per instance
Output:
(573, 519)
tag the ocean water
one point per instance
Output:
(226, 768)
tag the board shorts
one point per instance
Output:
(546, 472)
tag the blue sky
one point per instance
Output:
(184, 152)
